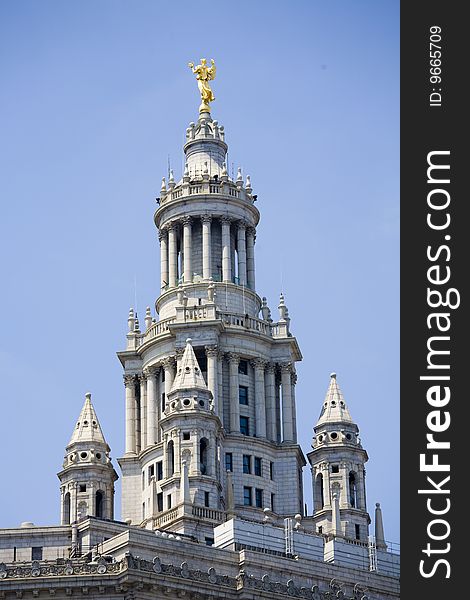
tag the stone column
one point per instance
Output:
(187, 245)
(270, 396)
(335, 515)
(250, 257)
(344, 498)
(234, 360)
(220, 386)
(360, 488)
(226, 258)
(168, 365)
(206, 247)
(277, 398)
(260, 405)
(294, 408)
(212, 375)
(241, 245)
(143, 410)
(163, 237)
(287, 416)
(326, 484)
(172, 255)
(151, 421)
(184, 482)
(129, 382)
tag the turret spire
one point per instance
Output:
(87, 428)
(334, 409)
(189, 374)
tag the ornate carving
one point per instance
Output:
(162, 234)
(286, 367)
(129, 380)
(206, 219)
(186, 221)
(168, 363)
(211, 350)
(258, 363)
(233, 358)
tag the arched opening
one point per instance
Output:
(203, 446)
(171, 458)
(352, 490)
(99, 500)
(319, 497)
(67, 509)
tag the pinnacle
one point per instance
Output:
(189, 374)
(334, 409)
(87, 428)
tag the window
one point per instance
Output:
(36, 553)
(271, 470)
(358, 531)
(243, 367)
(151, 473)
(335, 469)
(243, 394)
(82, 487)
(168, 501)
(159, 470)
(203, 449)
(247, 463)
(247, 496)
(272, 502)
(99, 504)
(258, 469)
(143, 511)
(352, 490)
(186, 435)
(160, 502)
(258, 498)
(320, 529)
(163, 401)
(209, 541)
(143, 480)
(228, 461)
(206, 498)
(245, 425)
(171, 458)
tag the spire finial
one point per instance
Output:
(204, 75)
(333, 375)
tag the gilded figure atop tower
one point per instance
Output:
(204, 74)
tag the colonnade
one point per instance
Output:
(177, 237)
(273, 402)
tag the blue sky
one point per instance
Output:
(95, 96)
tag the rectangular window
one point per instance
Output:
(163, 401)
(159, 470)
(151, 473)
(143, 511)
(228, 461)
(243, 394)
(209, 541)
(168, 501)
(243, 367)
(247, 496)
(245, 425)
(160, 502)
(82, 487)
(258, 498)
(358, 532)
(206, 498)
(272, 502)
(271, 470)
(186, 435)
(143, 480)
(320, 529)
(36, 553)
(247, 463)
(258, 468)
(335, 468)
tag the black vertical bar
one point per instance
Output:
(434, 271)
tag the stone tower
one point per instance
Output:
(240, 414)
(87, 478)
(338, 474)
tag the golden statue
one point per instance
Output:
(204, 74)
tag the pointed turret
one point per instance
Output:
(189, 376)
(338, 473)
(87, 478)
(334, 409)
(88, 428)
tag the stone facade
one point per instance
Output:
(212, 484)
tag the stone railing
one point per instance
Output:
(168, 516)
(157, 329)
(221, 188)
(210, 514)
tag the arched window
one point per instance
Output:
(67, 509)
(319, 497)
(171, 458)
(82, 510)
(99, 500)
(203, 446)
(352, 490)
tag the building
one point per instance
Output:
(212, 485)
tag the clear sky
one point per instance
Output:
(96, 95)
